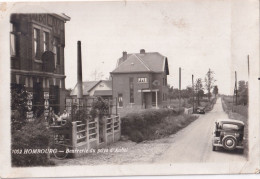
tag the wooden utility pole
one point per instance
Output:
(179, 88)
(236, 86)
(248, 64)
(192, 94)
(235, 92)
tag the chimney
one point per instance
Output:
(142, 51)
(124, 55)
(80, 90)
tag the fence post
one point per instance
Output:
(105, 131)
(97, 130)
(113, 120)
(119, 123)
(87, 131)
(74, 136)
(116, 106)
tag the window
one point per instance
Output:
(13, 42)
(56, 52)
(120, 100)
(36, 39)
(164, 81)
(131, 89)
(142, 80)
(164, 97)
(45, 41)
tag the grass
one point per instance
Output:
(240, 112)
(240, 109)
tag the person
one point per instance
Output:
(64, 117)
(58, 119)
(51, 117)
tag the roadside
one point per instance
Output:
(131, 152)
(240, 112)
(123, 152)
(194, 143)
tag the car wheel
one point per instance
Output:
(229, 142)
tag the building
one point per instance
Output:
(37, 43)
(140, 80)
(102, 88)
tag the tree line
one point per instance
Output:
(198, 90)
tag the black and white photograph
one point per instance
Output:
(121, 88)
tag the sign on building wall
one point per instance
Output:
(46, 97)
(29, 113)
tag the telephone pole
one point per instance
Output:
(235, 92)
(236, 86)
(192, 94)
(248, 64)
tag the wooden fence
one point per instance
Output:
(95, 134)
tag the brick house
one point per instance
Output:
(37, 43)
(140, 80)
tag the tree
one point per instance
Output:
(18, 106)
(97, 75)
(198, 90)
(209, 82)
(215, 90)
(173, 92)
(241, 86)
(243, 92)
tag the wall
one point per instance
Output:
(24, 65)
(120, 84)
(99, 87)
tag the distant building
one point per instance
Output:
(91, 89)
(140, 80)
(37, 56)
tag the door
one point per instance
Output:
(55, 98)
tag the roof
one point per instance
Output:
(108, 83)
(89, 85)
(62, 16)
(103, 93)
(230, 121)
(145, 62)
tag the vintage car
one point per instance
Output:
(200, 110)
(228, 134)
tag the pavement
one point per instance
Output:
(194, 143)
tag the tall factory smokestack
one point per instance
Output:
(80, 90)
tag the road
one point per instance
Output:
(193, 143)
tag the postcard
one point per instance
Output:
(122, 88)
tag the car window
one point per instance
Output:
(230, 126)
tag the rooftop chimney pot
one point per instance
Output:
(124, 55)
(142, 51)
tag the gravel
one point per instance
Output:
(124, 152)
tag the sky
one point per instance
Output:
(193, 35)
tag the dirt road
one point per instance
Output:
(193, 144)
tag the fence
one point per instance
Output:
(94, 133)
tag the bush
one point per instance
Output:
(18, 106)
(33, 135)
(153, 124)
